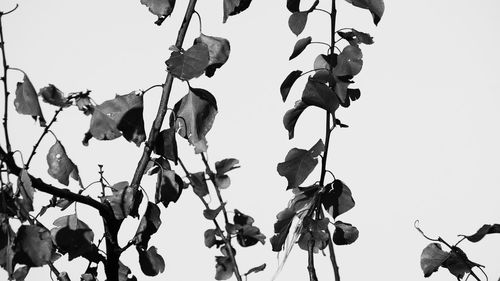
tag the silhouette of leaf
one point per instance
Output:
(299, 163)
(300, 46)
(27, 193)
(355, 37)
(256, 269)
(124, 201)
(320, 95)
(84, 104)
(150, 261)
(160, 8)
(7, 236)
(195, 114)
(281, 228)
(293, 5)
(234, 7)
(338, 198)
(483, 231)
(349, 61)
(149, 225)
(21, 273)
(60, 166)
(33, 246)
(344, 233)
(124, 272)
(226, 165)
(218, 52)
(314, 230)
(26, 101)
(211, 214)
(432, 258)
(292, 116)
(166, 145)
(168, 187)
(224, 268)
(199, 184)
(54, 96)
(189, 64)
(211, 239)
(288, 83)
(247, 234)
(297, 22)
(376, 7)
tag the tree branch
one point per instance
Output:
(5, 88)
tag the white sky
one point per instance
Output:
(422, 142)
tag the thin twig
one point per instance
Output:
(150, 88)
(5, 88)
(310, 261)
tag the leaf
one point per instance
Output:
(344, 233)
(33, 246)
(318, 94)
(281, 228)
(349, 61)
(226, 165)
(211, 214)
(27, 192)
(123, 114)
(63, 276)
(247, 235)
(314, 230)
(355, 37)
(432, 258)
(256, 269)
(151, 262)
(195, 114)
(299, 163)
(376, 7)
(292, 116)
(210, 239)
(60, 166)
(224, 268)
(21, 273)
(26, 101)
(124, 272)
(218, 52)
(287, 84)
(350, 95)
(483, 231)
(234, 7)
(300, 46)
(52, 95)
(168, 187)
(199, 184)
(149, 225)
(297, 22)
(124, 201)
(84, 104)
(160, 8)
(189, 64)
(166, 145)
(293, 5)
(7, 236)
(338, 198)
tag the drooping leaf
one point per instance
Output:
(149, 225)
(195, 114)
(211, 239)
(300, 46)
(349, 61)
(293, 5)
(123, 114)
(124, 273)
(355, 37)
(234, 7)
(124, 201)
(287, 84)
(226, 165)
(151, 262)
(199, 184)
(338, 198)
(350, 95)
(63, 276)
(60, 166)
(292, 116)
(432, 258)
(281, 228)
(299, 163)
(211, 214)
(27, 193)
(166, 145)
(218, 52)
(168, 187)
(320, 95)
(84, 104)
(459, 264)
(189, 64)
(33, 246)
(314, 230)
(344, 233)
(297, 22)
(256, 269)
(376, 7)
(26, 101)
(21, 273)
(247, 235)
(52, 95)
(483, 231)
(160, 8)
(7, 236)
(224, 268)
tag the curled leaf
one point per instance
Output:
(168, 187)
(483, 231)
(150, 261)
(281, 228)
(376, 7)
(33, 246)
(149, 225)
(314, 230)
(300, 46)
(60, 166)
(224, 268)
(26, 101)
(344, 233)
(52, 95)
(160, 8)
(199, 184)
(226, 165)
(234, 7)
(292, 116)
(166, 145)
(337, 199)
(124, 201)
(287, 84)
(218, 52)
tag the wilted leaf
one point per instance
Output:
(458, 264)
(52, 95)
(123, 114)
(314, 230)
(33, 246)
(166, 146)
(224, 268)
(300, 46)
(226, 165)
(151, 262)
(7, 236)
(195, 114)
(376, 7)
(222, 182)
(60, 166)
(349, 61)
(27, 192)
(160, 8)
(355, 37)
(168, 187)
(483, 231)
(293, 5)
(124, 201)
(189, 64)
(84, 104)
(287, 84)
(218, 51)
(281, 228)
(209, 236)
(297, 22)
(256, 269)
(149, 225)
(247, 235)
(299, 163)
(234, 7)
(124, 272)
(21, 273)
(432, 258)
(344, 233)
(350, 95)
(211, 214)
(199, 184)
(338, 198)
(292, 116)
(26, 101)
(320, 95)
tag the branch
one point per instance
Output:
(4, 80)
(162, 109)
(310, 266)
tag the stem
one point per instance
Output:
(45, 131)
(332, 255)
(199, 20)
(5, 89)
(310, 266)
(217, 190)
(152, 87)
(162, 109)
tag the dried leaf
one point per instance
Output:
(189, 64)
(33, 246)
(168, 187)
(160, 8)
(124, 201)
(234, 7)
(281, 228)
(483, 231)
(218, 52)
(149, 225)
(150, 261)
(52, 95)
(60, 166)
(26, 101)
(344, 233)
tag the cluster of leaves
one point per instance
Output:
(329, 88)
(455, 260)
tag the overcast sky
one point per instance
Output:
(422, 142)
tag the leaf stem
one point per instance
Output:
(321, 43)
(150, 88)
(199, 20)
(310, 259)
(8, 12)
(5, 88)
(321, 10)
